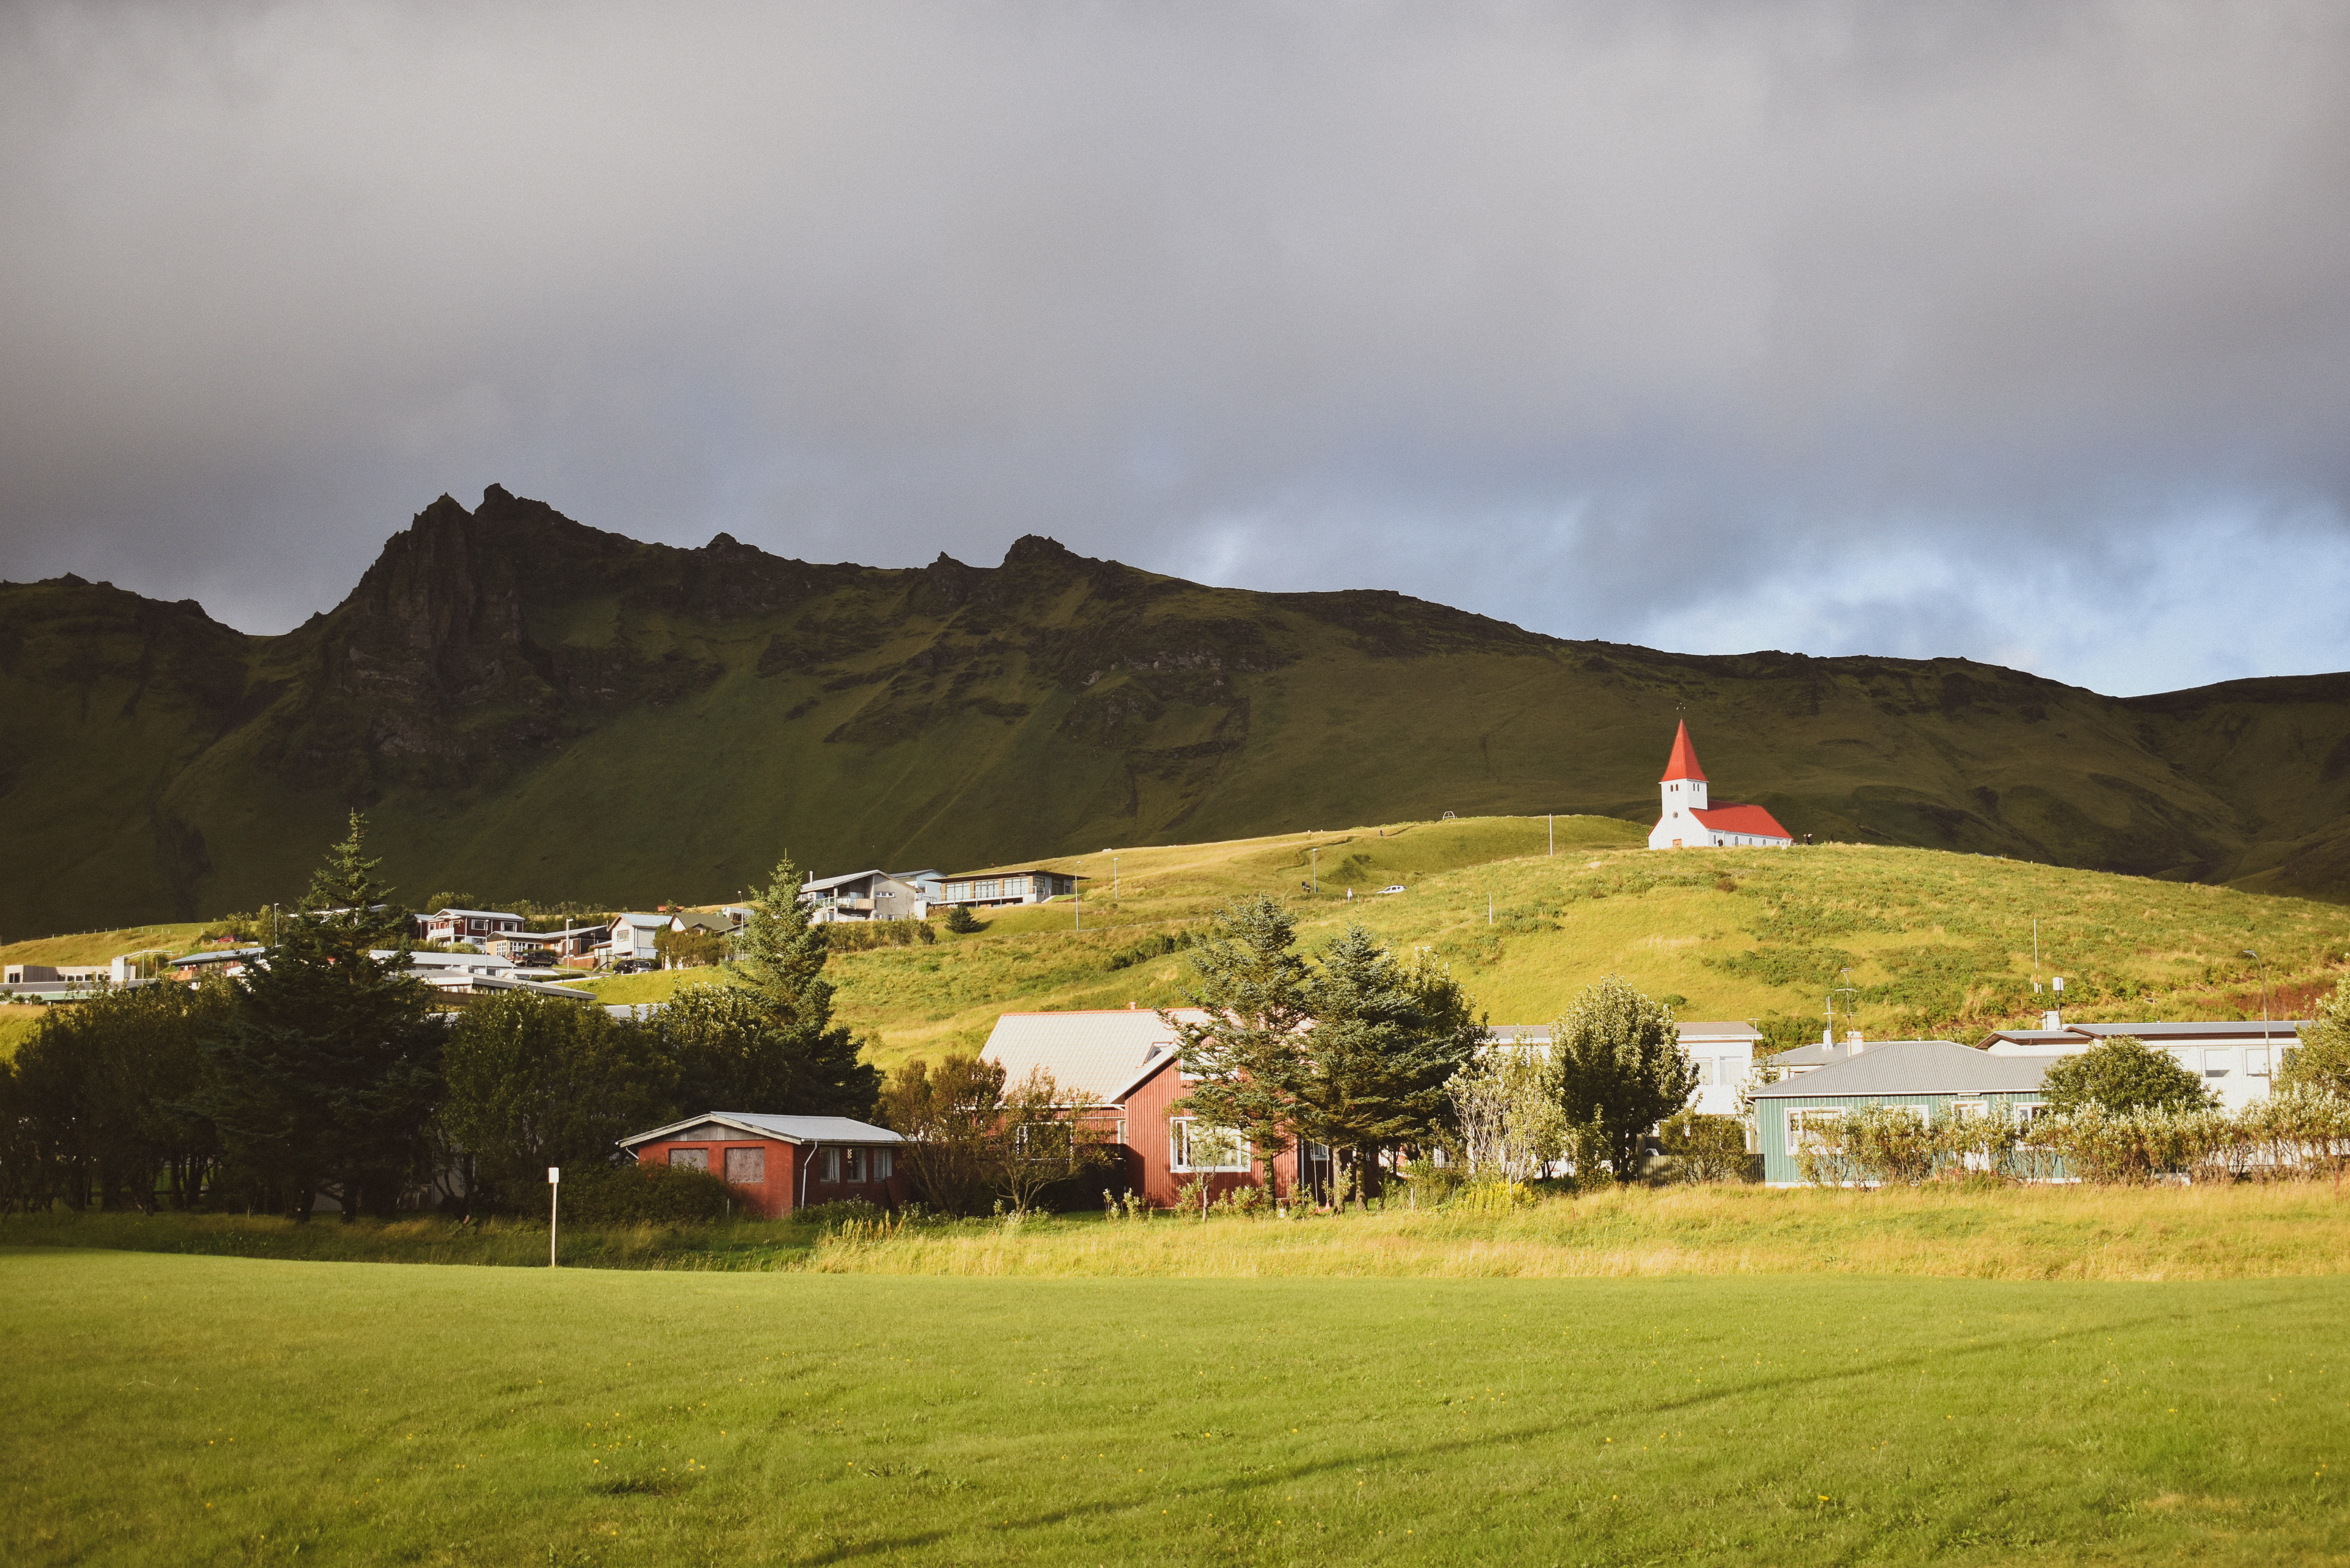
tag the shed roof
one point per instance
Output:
(1911, 1068)
(760, 1124)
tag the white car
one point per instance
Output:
(1398, 888)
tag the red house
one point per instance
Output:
(778, 1164)
(1122, 1061)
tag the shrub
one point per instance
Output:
(864, 936)
(2123, 1074)
(1430, 1183)
(834, 1216)
(644, 1195)
(961, 921)
(1708, 1148)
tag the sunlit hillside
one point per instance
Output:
(1907, 940)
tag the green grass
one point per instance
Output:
(208, 1410)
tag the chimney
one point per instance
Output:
(2051, 1020)
(1827, 1039)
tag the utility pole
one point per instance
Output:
(554, 1189)
(2264, 1011)
(1550, 820)
(1315, 853)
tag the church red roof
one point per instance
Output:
(1751, 819)
(1683, 761)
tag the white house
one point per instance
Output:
(1689, 822)
(632, 937)
(992, 889)
(2235, 1060)
(467, 925)
(871, 895)
(1723, 1052)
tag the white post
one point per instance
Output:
(553, 1187)
(1550, 820)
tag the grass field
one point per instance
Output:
(178, 1409)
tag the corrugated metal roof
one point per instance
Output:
(791, 1129)
(1751, 820)
(1691, 1028)
(1912, 1067)
(1098, 1052)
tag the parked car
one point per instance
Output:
(1393, 887)
(635, 966)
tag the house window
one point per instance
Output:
(2256, 1062)
(1203, 1146)
(1704, 1065)
(885, 1164)
(852, 1164)
(1802, 1126)
(746, 1167)
(2217, 1063)
(832, 1165)
(689, 1159)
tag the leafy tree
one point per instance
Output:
(1505, 1105)
(2122, 1074)
(769, 1043)
(1385, 1044)
(534, 1082)
(2322, 1060)
(325, 1072)
(1708, 1149)
(949, 1114)
(689, 949)
(1044, 1134)
(1248, 1057)
(1621, 1070)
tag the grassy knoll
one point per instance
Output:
(197, 1410)
(1934, 942)
(2031, 1233)
(16, 1022)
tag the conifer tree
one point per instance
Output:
(326, 1073)
(1247, 1058)
(768, 1042)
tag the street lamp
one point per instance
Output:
(2264, 1011)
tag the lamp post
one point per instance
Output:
(2265, 1049)
(554, 1188)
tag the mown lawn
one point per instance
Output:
(182, 1409)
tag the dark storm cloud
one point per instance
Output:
(2012, 331)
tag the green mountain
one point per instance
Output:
(527, 707)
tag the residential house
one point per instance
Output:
(777, 1164)
(574, 945)
(2234, 1059)
(989, 889)
(1120, 1065)
(1928, 1078)
(870, 896)
(1688, 821)
(630, 937)
(475, 926)
(1722, 1051)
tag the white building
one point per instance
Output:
(1723, 1052)
(2235, 1060)
(871, 895)
(1688, 821)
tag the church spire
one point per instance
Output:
(1683, 763)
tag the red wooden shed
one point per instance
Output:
(778, 1164)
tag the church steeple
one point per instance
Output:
(1682, 764)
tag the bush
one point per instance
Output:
(1707, 1149)
(2123, 1074)
(864, 936)
(961, 921)
(833, 1216)
(644, 1195)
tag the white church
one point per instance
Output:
(1689, 823)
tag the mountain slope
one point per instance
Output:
(528, 707)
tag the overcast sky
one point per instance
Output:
(2020, 332)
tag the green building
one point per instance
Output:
(1935, 1077)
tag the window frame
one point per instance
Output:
(1178, 1150)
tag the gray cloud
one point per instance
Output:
(2012, 331)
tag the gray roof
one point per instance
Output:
(1691, 1028)
(2215, 1029)
(791, 1129)
(1912, 1067)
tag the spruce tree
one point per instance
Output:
(1248, 1059)
(768, 1042)
(325, 1073)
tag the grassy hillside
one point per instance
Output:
(528, 708)
(1928, 941)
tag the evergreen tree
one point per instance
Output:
(533, 1081)
(1248, 1059)
(768, 1042)
(1385, 1042)
(1621, 1070)
(326, 1073)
